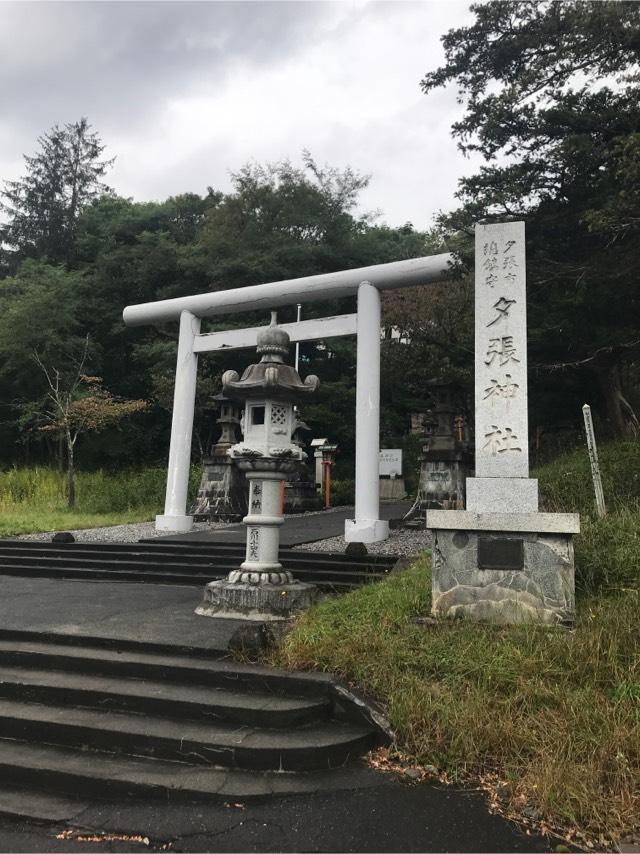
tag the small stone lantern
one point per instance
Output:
(229, 421)
(260, 588)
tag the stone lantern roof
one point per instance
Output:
(270, 377)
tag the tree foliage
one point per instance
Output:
(277, 222)
(551, 92)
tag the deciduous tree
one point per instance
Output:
(79, 403)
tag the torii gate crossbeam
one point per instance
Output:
(366, 283)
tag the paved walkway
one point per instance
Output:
(392, 816)
(388, 814)
(296, 529)
(146, 612)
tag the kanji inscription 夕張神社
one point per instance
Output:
(501, 351)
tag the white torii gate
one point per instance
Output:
(366, 283)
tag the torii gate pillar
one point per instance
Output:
(367, 527)
(174, 518)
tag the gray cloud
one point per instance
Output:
(184, 92)
(67, 59)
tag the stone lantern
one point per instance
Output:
(445, 460)
(229, 421)
(260, 588)
(222, 494)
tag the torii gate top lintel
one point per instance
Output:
(366, 283)
(397, 274)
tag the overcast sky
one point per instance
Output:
(183, 93)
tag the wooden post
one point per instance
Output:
(593, 457)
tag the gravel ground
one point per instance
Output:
(116, 533)
(136, 531)
(401, 542)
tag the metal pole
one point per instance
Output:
(297, 342)
(593, 457)
(367, 527)
(175, 509)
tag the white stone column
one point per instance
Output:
(175, 508)
(502, 483)
(263, 522)
(367, 527)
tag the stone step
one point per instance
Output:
(89, 774)
(104, 574)
(72, 653)
(159, 698)
(317, 746)
(39, 805)
(207, 558)
(337, 581)
(216, 566)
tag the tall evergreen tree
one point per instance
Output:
(551, 93)
(42, 207)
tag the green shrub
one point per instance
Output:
(343, 492)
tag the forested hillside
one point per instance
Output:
(550, 93)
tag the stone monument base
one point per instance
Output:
(265, 602)
(222, 495)
(392, 489)
(503, 567)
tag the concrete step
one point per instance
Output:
(208, 557)
(335, 581)
(39, 806)
(203, 549)
(105, 574)
(321, 745)
(160, 698)
(213, 567)
(75, 654)
(89, 774)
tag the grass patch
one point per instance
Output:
(33, 522)
(34, 499)
(566, 485)
(555, 712)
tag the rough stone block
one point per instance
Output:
(392, 489)
(243, 601)
(542, 591)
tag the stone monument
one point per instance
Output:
(446, 459)
(260, 589)
(501, 559)
(222, 495)
(392, 486)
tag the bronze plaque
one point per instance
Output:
(500, 552)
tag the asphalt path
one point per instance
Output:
(393, 816)
(307, 528)
(119, 610)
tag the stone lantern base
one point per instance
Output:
(263, 601)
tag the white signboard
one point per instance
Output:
(391, 462)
